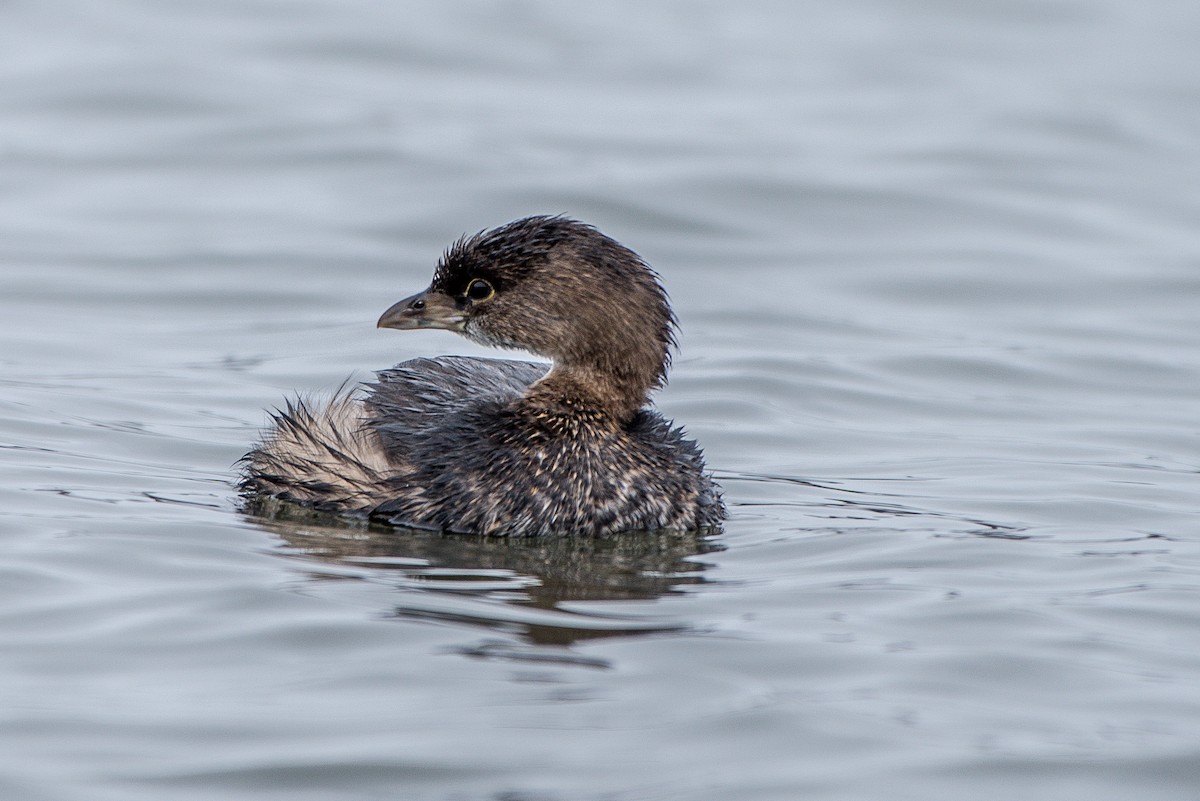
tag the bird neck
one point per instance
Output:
(612, 393)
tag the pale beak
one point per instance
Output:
(426, 309)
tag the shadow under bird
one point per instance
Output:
(503, 447)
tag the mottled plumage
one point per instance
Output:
(503, 447)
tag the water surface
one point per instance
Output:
(937, 268)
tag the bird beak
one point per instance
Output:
(426, 309)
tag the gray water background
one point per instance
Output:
(937, 267)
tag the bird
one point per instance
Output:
(499, 447)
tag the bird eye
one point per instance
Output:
(479, 290)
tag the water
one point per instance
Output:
(938, 271)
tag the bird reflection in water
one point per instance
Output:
(512, 585)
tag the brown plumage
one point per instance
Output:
(503, 447)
